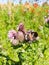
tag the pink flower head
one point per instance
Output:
(21, 26)
(15, 42)
(20, 36)
(47, 19)
(12, 35)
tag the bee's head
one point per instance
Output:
(35, 34)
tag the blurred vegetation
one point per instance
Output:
(36, 53)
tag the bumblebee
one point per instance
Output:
(31, 36)
(28, 36)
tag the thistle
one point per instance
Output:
(12, 35)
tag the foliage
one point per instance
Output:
(36, 53)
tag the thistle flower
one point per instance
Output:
(12, 35)
(20, 36)
(15, 42)
(15, 37)
(47, 20)
(21, 28)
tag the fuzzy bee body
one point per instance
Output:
(31, 36)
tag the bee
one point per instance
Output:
(21, 35)
(31, 36)
(24, 35)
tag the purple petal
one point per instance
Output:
(11, 34)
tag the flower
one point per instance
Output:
(46, 10)
(15, 42)
(20, 36)
(32, 10)
(21, 26)
(47, 20)
(35, 5)
(27, 6)
(12, 35)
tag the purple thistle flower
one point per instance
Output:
(20, 36)
(21, 27)
(15, 42)
(47, 19)
(12, 35)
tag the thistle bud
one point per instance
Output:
(21, 28)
